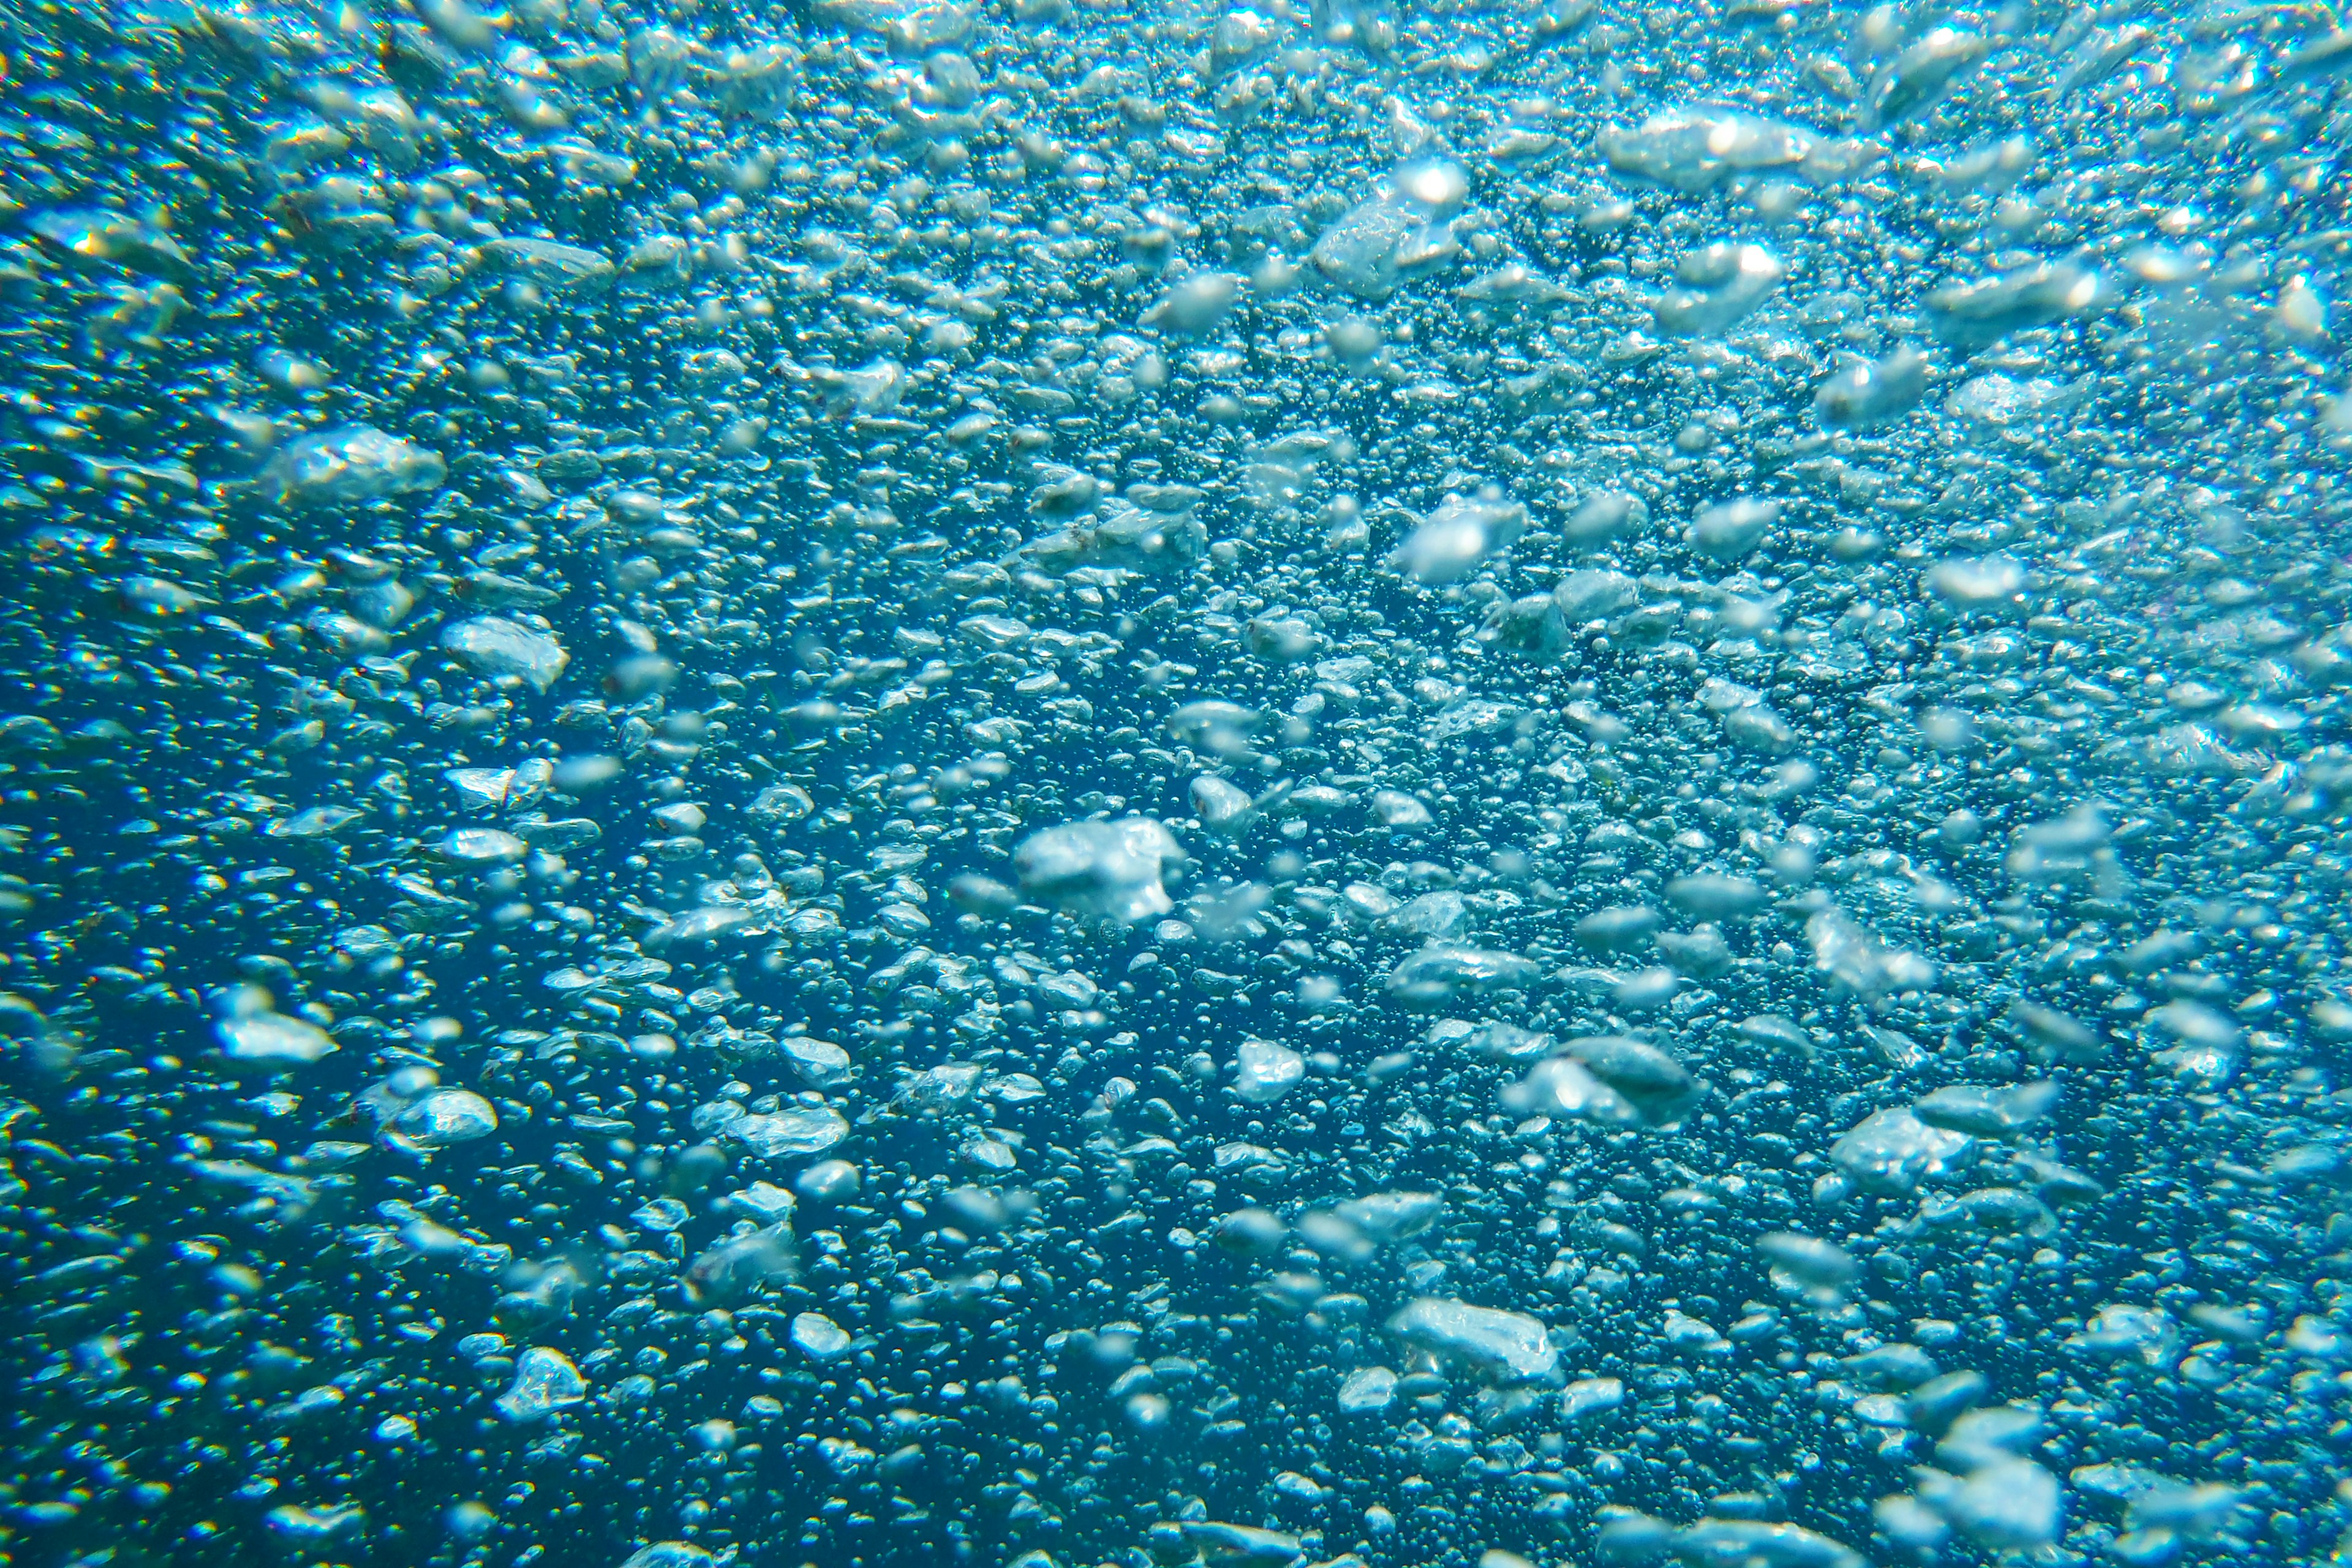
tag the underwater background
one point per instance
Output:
(883, 783)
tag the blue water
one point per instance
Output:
(1350, 786)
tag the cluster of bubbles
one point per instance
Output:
(1245, 782)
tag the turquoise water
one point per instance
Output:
(1350, 786)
